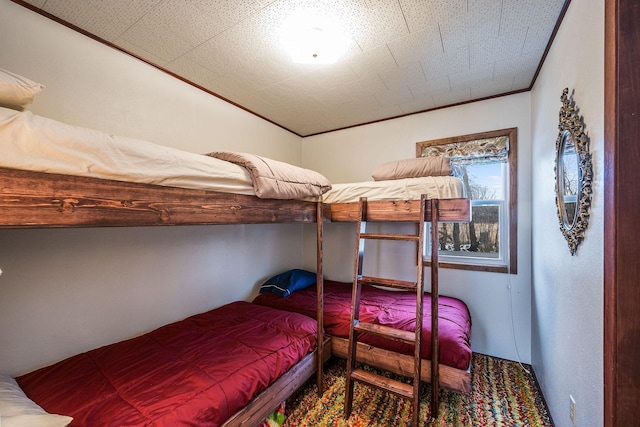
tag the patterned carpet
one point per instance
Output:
(502, 394)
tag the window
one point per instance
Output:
(486, 165)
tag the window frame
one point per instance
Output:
(512, 160)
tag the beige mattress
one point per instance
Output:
(36, 143)
(435, 187)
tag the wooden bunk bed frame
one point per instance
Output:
(30, 199)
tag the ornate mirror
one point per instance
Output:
(573, 174)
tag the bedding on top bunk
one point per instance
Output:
(405, 179)
(197, 371)
(36, 143)
(389, 308)
(435, 187)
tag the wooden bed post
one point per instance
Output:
(435, 375)
(320, 294)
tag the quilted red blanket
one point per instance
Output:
(198, 371)
(389, 308)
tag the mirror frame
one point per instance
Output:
(571, 122)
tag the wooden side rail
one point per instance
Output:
(450, 210)
(266, 402)
(45, 200)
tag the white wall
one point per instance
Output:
(66, 291)
(567, 335)
(362, 148)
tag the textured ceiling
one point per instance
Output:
(402, 56)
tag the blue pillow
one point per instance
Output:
(290, 281)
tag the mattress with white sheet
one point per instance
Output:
(434, 187)
(36, 143)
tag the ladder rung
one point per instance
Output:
(389, 283)
(407, 237)
(387, 332)
(382, 382)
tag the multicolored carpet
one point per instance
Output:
(502, 394)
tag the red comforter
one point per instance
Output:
(198, 371)
(389, 308)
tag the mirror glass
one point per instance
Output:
(569, 179)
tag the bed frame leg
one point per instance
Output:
(320, 296)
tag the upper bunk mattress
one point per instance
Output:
(197, 371)
(36, 143)
(434, 187)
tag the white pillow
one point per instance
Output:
(17, 410)
(17, 92)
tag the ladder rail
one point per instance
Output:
(355, 306)
(417, 367)
(435, 353)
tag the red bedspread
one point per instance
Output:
(389, 308)
(198, 371)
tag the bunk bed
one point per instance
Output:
(394, 196)
(53, 175)
(32, 199)
(453, 373)
(76, 193)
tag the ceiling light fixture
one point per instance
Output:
(313, 39)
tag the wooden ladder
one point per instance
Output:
(410, 391)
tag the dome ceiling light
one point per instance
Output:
(313, 39)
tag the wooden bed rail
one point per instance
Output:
(45, 200)
(31, 199)
(449, 210)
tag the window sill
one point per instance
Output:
(472, 267)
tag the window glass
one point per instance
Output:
(483, 163)
(480, 238)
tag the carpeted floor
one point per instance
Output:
(502, 394)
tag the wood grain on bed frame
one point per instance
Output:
(449, 210)
(44, 200)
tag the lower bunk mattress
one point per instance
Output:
(197, 371)
(389, 308)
